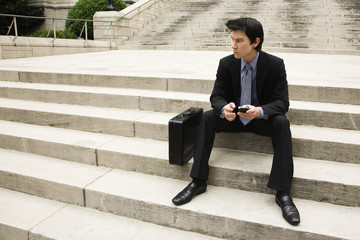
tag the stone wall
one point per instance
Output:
(131, 19)
(21, 47)
(54, 9)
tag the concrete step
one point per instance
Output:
(301, 86)
(47, 177)
(280, 20)
(216, 207)
(346, 51)
(229, 168)
(140, 193)
(104, 116)
(181, 70)
(224, 42)
(217, 37)
(297, 26)
(310, 142)
(238, 170)
(142, 99)
(30, 217)
(115, 121)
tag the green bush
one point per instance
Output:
(19, 7)
(59, 34)
(85, 9)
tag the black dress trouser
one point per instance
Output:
(277, 127)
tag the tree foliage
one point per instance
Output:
(85, 9)
(19, 7)
(59, 34)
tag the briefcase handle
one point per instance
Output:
(188, 112)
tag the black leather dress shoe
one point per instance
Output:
(188, 193)
(289, 210)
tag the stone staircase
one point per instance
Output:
(84, 152)
(318, 26)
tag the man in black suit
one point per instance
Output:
(257, 80)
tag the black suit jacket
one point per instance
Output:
(271, 84)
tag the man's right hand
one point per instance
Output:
(228, 112)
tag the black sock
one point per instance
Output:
(281, 193)
(198, 181)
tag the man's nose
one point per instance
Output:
(233, 45)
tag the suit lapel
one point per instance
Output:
(261, 73)
(236, 79)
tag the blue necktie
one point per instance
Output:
(246, 91)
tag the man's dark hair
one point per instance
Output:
(250, 26)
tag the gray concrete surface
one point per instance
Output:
(302, 69)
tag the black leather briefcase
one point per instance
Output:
(182, 135)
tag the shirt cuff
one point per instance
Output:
(222, 115)
(262, 114)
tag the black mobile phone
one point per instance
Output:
(243, 109)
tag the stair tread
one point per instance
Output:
(220, 158)
(219, 202)
(56, 220)
(128, 114)
(79, 110)
(244, 161)
(50, 169)
(303, 132)
(228, 203)
(107, 90)
(330, 107)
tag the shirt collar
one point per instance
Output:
(253, 63)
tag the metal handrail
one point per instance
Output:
(14, 16)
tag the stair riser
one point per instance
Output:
(156, 83)
(78, 98)
(189, 221)
(10, 232)
(340, 120)
(296, 92)
(337, 120)
(238, 179)
(341, 152)
(242, 180)
(345, 51)
(42, 188)
(325, 94)
(224, 43)
(82, 123)
(52, 149)
(305, 148)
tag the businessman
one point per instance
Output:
(255, 81)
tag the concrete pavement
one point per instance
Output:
(302, 69)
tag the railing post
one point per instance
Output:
(86, 33)
(15, 25)
(54, 28)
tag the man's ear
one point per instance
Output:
(256, 43)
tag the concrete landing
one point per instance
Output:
(302, 69)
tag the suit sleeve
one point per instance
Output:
(278, 102)
(220, 94)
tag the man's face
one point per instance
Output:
(242, 47)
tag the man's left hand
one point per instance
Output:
(253, 112)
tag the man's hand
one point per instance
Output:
(228, 112)
(252, 113)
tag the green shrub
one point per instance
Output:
(85, 9)
(59, 34)
(19, 7)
